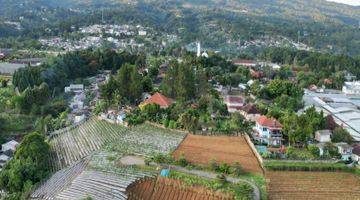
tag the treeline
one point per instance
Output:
(324, 65)
(59, 71)
(41, 87)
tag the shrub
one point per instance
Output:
(161, 158)
(290, 151)
(172, 124)
(182, 161)
(165, 122)
(224, 168)
(314, 150)
(237, 169)
(221, 179)
(307, 166)
(213, 165)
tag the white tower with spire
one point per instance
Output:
(198, 54)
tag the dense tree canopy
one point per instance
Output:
(29, 166)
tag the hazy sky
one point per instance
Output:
(350, 2)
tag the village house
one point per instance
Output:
(3, 160)
(246, 63)
(74, 88)
(345, 150)
(268, 131)
(351, 87)
(256, 74)
(355, 155)
(77, 102)
(79, 118)
(8, 150)
(234, 103)
(158, 99)
(250, 112)
(323, 136)
(9, 146)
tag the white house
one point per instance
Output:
(250, 112)
(3, 160)
(268, 131)
(345, 150)
(79, 118)
(142, 33)
(321, 147)
(355, 155)
(9, 146)
(234, 103)
(121, 117)
(323, 136)
(351, 87)
(246, 63)
(74, 88)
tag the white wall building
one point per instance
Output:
(142, 33)
(74, 88)
(323, 136)
(345, 150)
(351, 87)
(11, 145)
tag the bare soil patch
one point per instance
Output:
(202, 149)
(166, 189)
(312, 185)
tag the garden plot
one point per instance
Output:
(166, 189)
(202, 149)
(145, 140)
(102, 185)
(59, 181)
(77, 143)
(312, 185)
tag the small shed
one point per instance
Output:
(345, 150)
(9, 146)
(323, 136)
(355, 155)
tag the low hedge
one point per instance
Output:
(308, 166)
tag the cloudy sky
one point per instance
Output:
(350, 2)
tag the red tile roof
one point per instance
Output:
(256, 74)
(159, 99)
(244, 61)
(234, 99)
(271, 123)
(250, 109)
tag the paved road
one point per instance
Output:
(211, 175)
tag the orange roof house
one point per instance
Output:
(158, 99)
(270, 123)
(268, 130)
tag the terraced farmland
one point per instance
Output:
(101, 185)
(59, 181)
(202, 149)
(72, 145)
(87, 156)
(166, 189)
(145, 140)
(312, 185)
